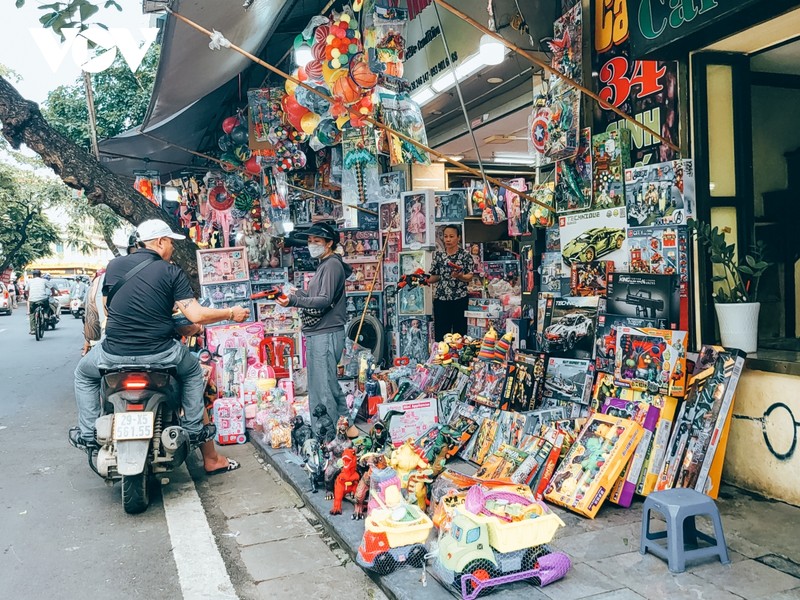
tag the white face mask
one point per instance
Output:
(316, 250)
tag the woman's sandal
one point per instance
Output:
(232, 466)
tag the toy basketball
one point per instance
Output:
(362, 74)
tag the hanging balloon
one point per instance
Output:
(252, 189)
(311, 101)
(234, 183)
(320, 35)
(327, 133)
(229, 124)
(346, 89)
(361, 73)
(342, 121)
(295, 118)
(243, 153)
(309, 122)
(219, 199)
(290, 86)
(314, 71)
(243, 203)
(299, 159)
(229, 162)
(239, 135)
(252, 166)
(225, 143)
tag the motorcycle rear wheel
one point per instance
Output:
(136, 492)
(38, 325)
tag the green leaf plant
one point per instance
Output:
(738, 283)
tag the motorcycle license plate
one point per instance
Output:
(133, 426)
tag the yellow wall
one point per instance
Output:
(749, 463)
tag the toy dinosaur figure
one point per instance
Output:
(335, 450)
(346, 480)
(313, 462)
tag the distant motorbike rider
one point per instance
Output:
(140, 330)
(40, 292)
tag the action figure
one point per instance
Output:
(301, 431)
(325, 429)
(335, 449)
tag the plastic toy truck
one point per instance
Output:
(484, 551)
(393, 537)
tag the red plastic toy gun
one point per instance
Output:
(417, 278)
(271, 294)
(454, 266)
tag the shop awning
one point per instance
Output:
(190, 84)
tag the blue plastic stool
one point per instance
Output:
(680, 507)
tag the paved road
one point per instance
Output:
(63, 533)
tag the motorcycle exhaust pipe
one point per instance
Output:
(173, 438)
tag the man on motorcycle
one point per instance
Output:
(40, 290)
(140, 330)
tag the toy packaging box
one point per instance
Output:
(523, 388)
(368, 221)
(450, 206)
(701, 420)
(365, 275)
(569, 325)
(246, 335)
(414, 338)
(554, 280)
(611, 155)
(518, 223)
(574, 178)
(221, 265)
(568, 382)
(647, 416)
(230, 422)
(277, 318)
(590, 278)
(392, 184)
(354, 306)
(593, 235)
(591, 467)
(266, 279)
(529, 266)
(605, 340)
(661, 250)
(651, 360)
(416, 215)
(661, 193)
(389, 215)
(360, 245)
(646, 297)
(417, 418)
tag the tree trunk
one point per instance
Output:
(107, 238)
(23, 123)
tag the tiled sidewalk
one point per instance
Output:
(762, 538)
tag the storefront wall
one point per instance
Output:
(762, 454)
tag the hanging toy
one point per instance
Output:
(356, 160)
(219, 198)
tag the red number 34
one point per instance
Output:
(614, 74)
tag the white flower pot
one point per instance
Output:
(738, 325)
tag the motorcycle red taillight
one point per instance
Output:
(135, 384)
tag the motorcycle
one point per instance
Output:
(54, 317)
(138, 432)
(76, 308)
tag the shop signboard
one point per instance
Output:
(644, 89)
(669, 29)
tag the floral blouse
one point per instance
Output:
(449, 288)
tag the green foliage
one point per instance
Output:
(26, 233)
(733, 287)
(65, 15)
(120, 98)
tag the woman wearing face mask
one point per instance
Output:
(325, 337)
(451, 271)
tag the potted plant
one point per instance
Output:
(735, 287)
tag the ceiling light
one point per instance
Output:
(303, 55)
(443, 82)
(423, 96)
(436, 112)
(494, 80)
(456, 157)
(492, 51)
(512, 158)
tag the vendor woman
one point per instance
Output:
(452, 272)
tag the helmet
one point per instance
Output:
(47, 276)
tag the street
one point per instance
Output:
(64, 533)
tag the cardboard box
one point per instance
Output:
(579, 484)
(417, 418)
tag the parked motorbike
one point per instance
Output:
(76, 308)
(139, 432)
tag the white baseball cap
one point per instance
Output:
(154, 229)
